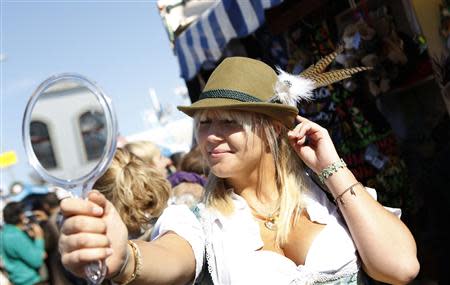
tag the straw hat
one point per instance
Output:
(246, 84)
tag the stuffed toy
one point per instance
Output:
(378, 46)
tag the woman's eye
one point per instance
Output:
(204, 122)
(229, 121)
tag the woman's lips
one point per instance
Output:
(218, 152)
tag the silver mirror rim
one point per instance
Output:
(111, 124)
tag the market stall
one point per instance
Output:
(390, 125)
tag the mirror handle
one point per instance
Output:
(95, 272)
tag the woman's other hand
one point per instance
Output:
(92, 230)
(313, 144)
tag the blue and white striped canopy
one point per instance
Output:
(205, 39)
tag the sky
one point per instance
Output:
(121, 45)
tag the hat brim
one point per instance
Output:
(283, 113)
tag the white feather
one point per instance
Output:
(291, 89)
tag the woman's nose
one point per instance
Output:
(214, 134)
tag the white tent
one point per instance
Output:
(175, 136)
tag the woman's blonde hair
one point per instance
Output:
(289, 169)
(145, 150)
(139, 192)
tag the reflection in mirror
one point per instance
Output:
(42, 145)
(67, 130)
(92, 126)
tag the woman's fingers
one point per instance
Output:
(305, 128)
(81, 241)
(301, 141)
(74, 206)
(97, 198)
(86, 224)
(301, 119)
(300, 131)
(83, 256)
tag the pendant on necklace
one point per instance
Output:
(271, 225)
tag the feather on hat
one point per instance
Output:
(291, 89)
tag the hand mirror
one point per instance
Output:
(69, 131)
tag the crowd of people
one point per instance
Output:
(239, 208)
(140, 183)
(30, 236)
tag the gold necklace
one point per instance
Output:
(270, 221)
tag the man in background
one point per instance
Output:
(23, 250)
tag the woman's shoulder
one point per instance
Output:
(182, 221)
(180, 213)
(318, 205)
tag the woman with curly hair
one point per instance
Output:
(150, 154)
(138, 192)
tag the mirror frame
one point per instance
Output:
(111, 128)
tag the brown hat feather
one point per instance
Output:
(316, 71)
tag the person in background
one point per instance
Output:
(138, 192)
(264, 220)
(23, 248)
(194, 162)
(189, 180)
(151, 154)
(176, 158)
(187, 188)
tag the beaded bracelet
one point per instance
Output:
(331, 169)
(137, 264)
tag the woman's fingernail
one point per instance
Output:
(109, 251)
(97, 210)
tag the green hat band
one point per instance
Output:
(229, 94)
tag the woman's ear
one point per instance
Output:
(278, 129)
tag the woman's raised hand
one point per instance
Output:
(313, 144)
(92, 230)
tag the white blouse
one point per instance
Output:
(232, 244)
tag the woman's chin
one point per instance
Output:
(220, 172)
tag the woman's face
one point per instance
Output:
(229, 149)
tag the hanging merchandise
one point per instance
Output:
(377, 46)
(445, 23)
(372, 39)
(369, 151)
(441, 65)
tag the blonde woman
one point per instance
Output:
(151, 154)
(138, 192)
(263, 221)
